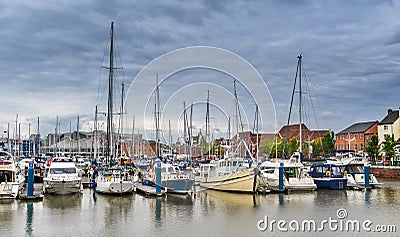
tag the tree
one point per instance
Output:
(292, 146)
(317, 147)
(266, 146)
(328, 142)
(372, 148)
(389, 147)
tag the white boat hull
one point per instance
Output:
(242, 181)
(293, 184)
(62, 186)
(10, 190)
(114, 186)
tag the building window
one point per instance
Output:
(386, 136)
(361, 136)
(355, 147)
(385, 127)
(342, 147)
(361, 147)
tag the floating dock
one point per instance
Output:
(148, 190)
(37, 192)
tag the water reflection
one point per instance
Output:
(158, 211)
(229, 200)
(63, 201)
(116, 213)
(330, 197)
(8, 209)
(203, 213)
(29, 219)
(367, 200)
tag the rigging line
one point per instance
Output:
(312, 103)
(312, 92)
(106, 49)
(291, 104)
(238, 108)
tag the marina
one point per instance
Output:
(181, 119)
(202, 213)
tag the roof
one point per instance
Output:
(390, 118)
(358, 127)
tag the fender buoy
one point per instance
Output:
(328, 173)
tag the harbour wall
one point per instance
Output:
(389, 172)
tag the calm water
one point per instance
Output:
(204, 213)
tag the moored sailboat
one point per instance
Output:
(112, 179)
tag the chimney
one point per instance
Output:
(390, 111)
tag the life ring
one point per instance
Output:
(345, 173)
(109, 178)
(328, 173)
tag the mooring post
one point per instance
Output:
(281, 170)
(366, 176)
(31, 178)
(158, 178)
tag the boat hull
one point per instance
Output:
(331, 183)
(62, 187)
(10, 190)
(114, 187)
(181, 186)
(242, 182)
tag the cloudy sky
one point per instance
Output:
(51, 55)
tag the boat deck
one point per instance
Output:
(147, 190)
(37, 192)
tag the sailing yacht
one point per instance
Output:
(112, 179)
(173, 179)
(230, 174)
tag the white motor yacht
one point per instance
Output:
(62, 177)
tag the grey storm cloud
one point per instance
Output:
(51, 54)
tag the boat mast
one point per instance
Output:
(38, 131)
(121, 142)
(157, 117)
(300, 102)
(133, 137)
(109, 138)
(190, 132)
(78, 136)
(207, 124)
(184, 129)
(257, 136)
(95, 134)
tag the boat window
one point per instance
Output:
(163, 170)
(62, 170)
(289, 173)
(229, 163)
(269, 171)
(336, 171)
(4, 175)
(319, 169)
(234, 163)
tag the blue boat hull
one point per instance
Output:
(331, 183)
(178, 186)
